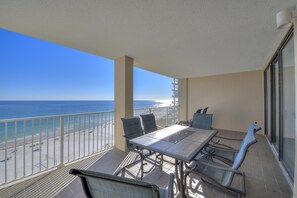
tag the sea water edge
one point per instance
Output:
(24, 109)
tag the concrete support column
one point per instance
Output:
(183, 98)
(123, 96)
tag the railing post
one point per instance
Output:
(166, 116)
(61, 141)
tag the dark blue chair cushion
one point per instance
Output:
(202, 121)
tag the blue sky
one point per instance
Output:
(33, 69)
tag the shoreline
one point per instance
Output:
(26, 160)
(36, 138)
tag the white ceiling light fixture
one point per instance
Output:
(284, 18)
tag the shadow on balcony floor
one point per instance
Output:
(263, 175)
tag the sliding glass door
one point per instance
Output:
(280, 104)
(288, 118)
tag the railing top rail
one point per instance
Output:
(76, 114)
(52, 116)
(152, 108)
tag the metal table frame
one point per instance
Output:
(182, 143)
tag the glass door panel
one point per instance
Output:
(288, 150)
(268, 102)
(276, 105)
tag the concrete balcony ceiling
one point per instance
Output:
(172, 37)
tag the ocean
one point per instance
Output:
(21, 109)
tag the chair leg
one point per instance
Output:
(242, 190)
(141, 166)
(160, 158)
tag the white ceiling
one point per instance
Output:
(178, 38)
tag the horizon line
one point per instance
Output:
(85, 100)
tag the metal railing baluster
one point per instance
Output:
(84, 135)
(105, 128)
(62, 140)
(68, 139)
(101, 131)
(97, 126)
(40, 136)
(79, 136)
(32, 144)
(5, 151)
(54, 142)
(15, 149)
(47, 125)
(108, 136)
(74, 127)
(93, 133)
(89, 132)
(24, 150)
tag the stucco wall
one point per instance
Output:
(235, 100)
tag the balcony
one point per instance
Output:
(93, 149)
(236, 62)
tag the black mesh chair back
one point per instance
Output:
(149, 123)
(132, 129)
(97, 184)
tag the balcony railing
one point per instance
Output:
(32, 145)
(165, 116)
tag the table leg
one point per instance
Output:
(176, 173)
(181, 179)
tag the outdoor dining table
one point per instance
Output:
(182, 143)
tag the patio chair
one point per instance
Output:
(221, 176)
(202, 121)
(132, 129)
(149, 123)
(228, 155)
(216, 141)
(97, 184)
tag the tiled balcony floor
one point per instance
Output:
(263, 175)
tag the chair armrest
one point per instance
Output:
(226, 138)
(258, 129)
(220, 167)
(218, 144)
(223, 149)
